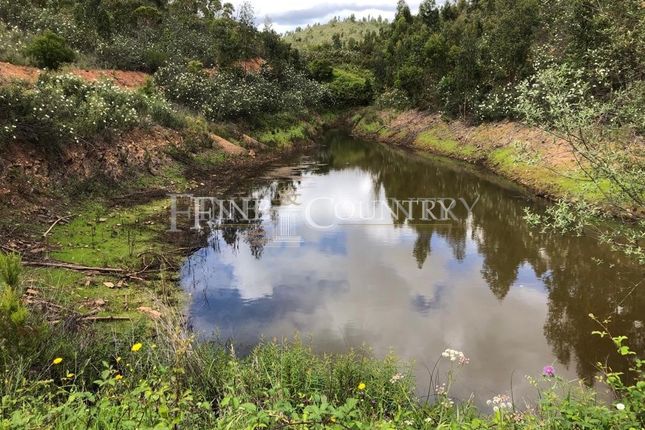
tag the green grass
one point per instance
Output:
(88, 295)
(171, 175)
(570, 184)
(286, 137)
(113, 237)
(210, 159)
(172, 380)
(433, 139)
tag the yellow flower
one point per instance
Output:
(70, 375)
(57, 361)
(361, 386)
(136, 347)
(118, 377)
(118, 359)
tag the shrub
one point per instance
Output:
(19, 331)
(49, 51)
(234, 94)
(63, 109)
(10, 268)
(393, 99)
(321, 70)
(12, 45)
(351, 87)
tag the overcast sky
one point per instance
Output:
(289, 14)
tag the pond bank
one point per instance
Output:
(531, 157)
(91, 221)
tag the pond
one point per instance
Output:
(341, 257)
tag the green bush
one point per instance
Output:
(10, 268)
(19, 331)
(351, 87)
(234, 94)
(393, 99)
(63, 109)
(321, 70)
(49, 51)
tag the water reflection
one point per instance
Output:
(512, 299)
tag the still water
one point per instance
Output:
(512, 299)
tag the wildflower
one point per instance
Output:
(70, 375)
(57, 361)
(361, 386)
(396, 378)
(548, 371)
(136, 347)
(447, 403)
(620, 406)
(118, 377)
(455, 356)
(440, 390)
(500, 402)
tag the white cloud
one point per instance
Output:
(289, 14)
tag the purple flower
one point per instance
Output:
(548, 371)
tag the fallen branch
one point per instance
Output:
(9, 249)
(73, 267)
(105, 319)
(54, 225)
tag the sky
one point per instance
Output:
(286, 15)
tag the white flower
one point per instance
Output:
(620, 406)
(396, 378)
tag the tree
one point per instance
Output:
(50, 50)
(403, 12)
(246, 16)
(429, 14)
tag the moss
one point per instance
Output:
(99, 236)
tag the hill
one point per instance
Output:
(348, 29)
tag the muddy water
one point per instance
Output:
(512, 299)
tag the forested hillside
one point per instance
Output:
(337, 32)
(206, 62)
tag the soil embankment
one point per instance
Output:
(531, 157)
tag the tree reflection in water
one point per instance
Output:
(577, 275)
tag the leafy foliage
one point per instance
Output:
(145, 34)
(49, 51)
(233, 94)
(351, 86)
(63, 109)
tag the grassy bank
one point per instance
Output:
(531, 157)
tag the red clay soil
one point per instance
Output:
(125, 79)
(252, 65)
